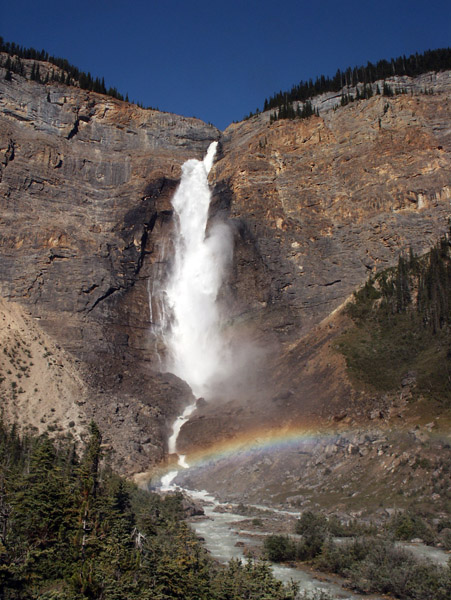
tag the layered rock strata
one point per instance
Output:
(316, 206)
(85, 188)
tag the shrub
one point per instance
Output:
(445, 538)
(314, 529)
(335, 558)
(406, 526)
(391, 570)
(375, 565)
(310, 522)
(279, 548)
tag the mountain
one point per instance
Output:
(85, 187)
(316, 206)
(320, 205)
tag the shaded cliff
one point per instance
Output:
(85, 184)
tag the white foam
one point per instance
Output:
(196, 348)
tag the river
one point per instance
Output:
(221, 539)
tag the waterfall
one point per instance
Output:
(194, 342)
(196, 349)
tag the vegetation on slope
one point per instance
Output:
(65, 73)
(363, 76)
(371, 564)
(70, 531)
(282, 102)
(402, 320)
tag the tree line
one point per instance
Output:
(71, 529)
(66, 74)
(412, 66)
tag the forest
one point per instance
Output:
(402, 319)
(66, 73)
(71, 529)
(412, 66)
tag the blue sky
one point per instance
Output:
(220, 60)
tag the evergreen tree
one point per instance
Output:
(135, 544)
(387, 90)
(431, 60)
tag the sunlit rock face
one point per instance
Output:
(330, 199)
(315, 206)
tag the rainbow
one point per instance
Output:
(248, 443)
(243, 446)
(251, 443)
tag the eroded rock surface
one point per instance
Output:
(318, 205)
(315, 205)
(85, 188)
(330, 199)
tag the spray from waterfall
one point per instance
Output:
(196, 349)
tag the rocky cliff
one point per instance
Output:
(85, 188)
(330, 199)
(316, 205)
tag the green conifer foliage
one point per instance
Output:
(414, 65)
(403, 324)
(70, 530)
(70, 75)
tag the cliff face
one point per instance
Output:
(332, 198)
(319, 204)
(315, 205)
(85, 188)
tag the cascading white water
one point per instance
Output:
(197, 352)
(196, 348)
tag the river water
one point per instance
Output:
(221, 538)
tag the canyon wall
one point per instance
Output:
(316, 205)
(85, 188)
(330, 199)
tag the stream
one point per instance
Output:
(221, 538)
(224, 539)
